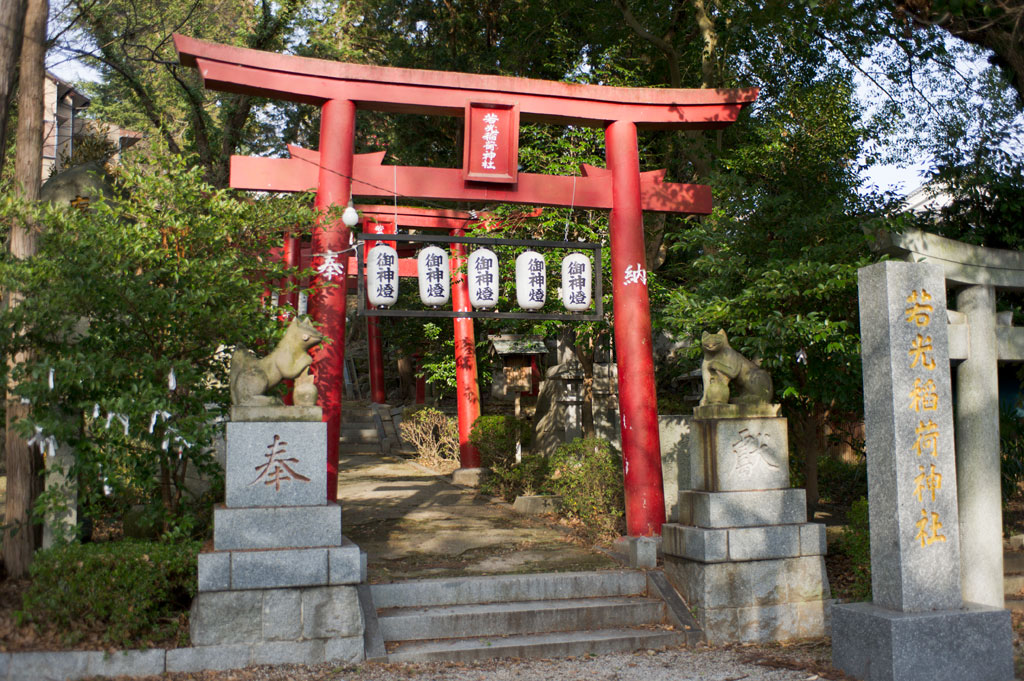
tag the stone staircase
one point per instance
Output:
(358, 430)
(536, 615)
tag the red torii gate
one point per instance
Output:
(339, 88)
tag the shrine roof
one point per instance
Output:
(385, 88)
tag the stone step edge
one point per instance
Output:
(80, 664)
(448, 590)
(558, 644)
(521, 618)
(539, 605)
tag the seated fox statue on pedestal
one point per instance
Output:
(722, 365)
(251, 377)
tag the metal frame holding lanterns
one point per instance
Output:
(597, 315)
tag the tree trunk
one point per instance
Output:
(809, 436)
(12, 23)
(23, 467)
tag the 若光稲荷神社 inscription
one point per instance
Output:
(915, 547)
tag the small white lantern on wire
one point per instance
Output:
(576, 280)
(435, 286)
(482, 270)
(382, 276)
(350, 216)
(531, 280)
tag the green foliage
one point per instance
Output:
(1011, 445)
(588, 476)
(133, 591)
(855, 544)
(165, 278)
(842, 482)
(495, 436)
(434, 435)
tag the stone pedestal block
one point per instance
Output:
(742, 509)
(754, 601)
(266, 569)
(262, 615)
(739, 454)
(276, 464)
(743, 543)
(876, 644)
(277, 527)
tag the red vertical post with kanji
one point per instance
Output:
(331, 238)
(638, 410)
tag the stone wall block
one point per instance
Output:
(225, 617)
(278, 569)
(764, 543)
(813, 541)
(214, 658)
(47, 666)
(126, 663)
(331, 612)
(276, 464)
(346, 650)
(739, 454)
(282, 615)
(289, 652)
(743, 509)
(276, 528)
(346, 565)
(214, 571)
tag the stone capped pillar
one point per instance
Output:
(918, 627)
(280, 569)
(743, 554)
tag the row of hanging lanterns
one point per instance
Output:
(482, 272)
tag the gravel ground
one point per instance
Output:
(673, 664)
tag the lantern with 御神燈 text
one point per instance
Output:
(482, 270)
(382, 276)
(432, 265)
(576, 280)
(531, 280)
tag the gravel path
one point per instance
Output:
(673, 664)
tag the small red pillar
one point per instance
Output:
(374, 343)
(638, 409)
(468, 397)
(378, 393)
(421, 381)
(328, 303)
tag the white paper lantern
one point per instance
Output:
(531, 280)
(435, 286)
(482, 270)
(576, 278)
(382, 276)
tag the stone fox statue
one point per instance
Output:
(723, 365)
(252, 377)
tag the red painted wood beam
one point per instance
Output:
(382, 88)
(371, 178)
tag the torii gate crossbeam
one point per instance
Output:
(339, 89)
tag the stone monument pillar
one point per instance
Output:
(743, 554)
(280, 572)
(918, 626)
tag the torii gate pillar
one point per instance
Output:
(638, 410)
(328, 304)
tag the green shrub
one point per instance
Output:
(1011, 447)
(841, 482)
(495, 437)
(855, 544)
(588, 476)
(133, 591)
